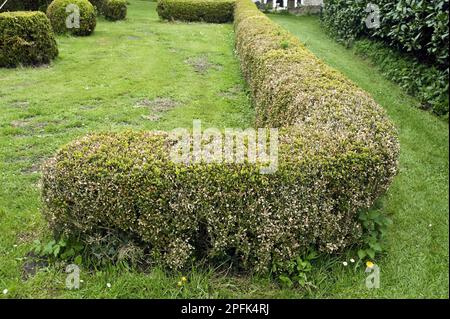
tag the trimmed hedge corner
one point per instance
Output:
(57, 14)
(115, 9)
(337, 154)
(213, 11)
(26, 38)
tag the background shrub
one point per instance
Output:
(418, 28)
(215, 11)
(26, 5)
(57, 15)
(98, 4)
(115, 9)
(26, 38)
(410, 25)
(428, 83)
(337, 154)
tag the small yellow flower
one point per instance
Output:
(183, 279)
(179, 284)
(369, 264)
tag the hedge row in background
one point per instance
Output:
(58, 16)
(214, 11)
(411, 25)
(98, 4)
(337, 154)
(419, 28)
(115, 9)
(428, 83)
(26, 38)
(25, 5)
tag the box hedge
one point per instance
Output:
(26, 38)
(115, 9)
(337, 154)
(57, 14)
(214, 11)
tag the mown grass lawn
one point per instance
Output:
(145, 74)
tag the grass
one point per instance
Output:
(145, 74)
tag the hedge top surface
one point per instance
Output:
(18, 14)
(290, 86)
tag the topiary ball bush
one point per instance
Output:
(57, 14)
(26, 38)
(115, 9)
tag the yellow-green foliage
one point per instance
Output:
(26, 38)
(215, 11)
(115, 9)
(57, 14)
(337, 154)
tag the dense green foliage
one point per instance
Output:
(414, 26)
(26, 5)
(215, 11)
(427, 83)
(58, 16)
(127, 182)
(26, 38)
(115, 9)
(419, 28)
(98, 4)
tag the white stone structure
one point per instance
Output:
(297, 3)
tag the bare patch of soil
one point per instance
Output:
(157, 107)
(201, 64)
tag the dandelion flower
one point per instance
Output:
(345, 263)
(183, 279)
(179, 284)
(369, 264)
(5, 291)
(352, 260)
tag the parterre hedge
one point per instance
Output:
(337, 154)
(214, 11)
(115, 9)
(57, 14)
(26, 38)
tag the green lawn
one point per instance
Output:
(145, 74)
